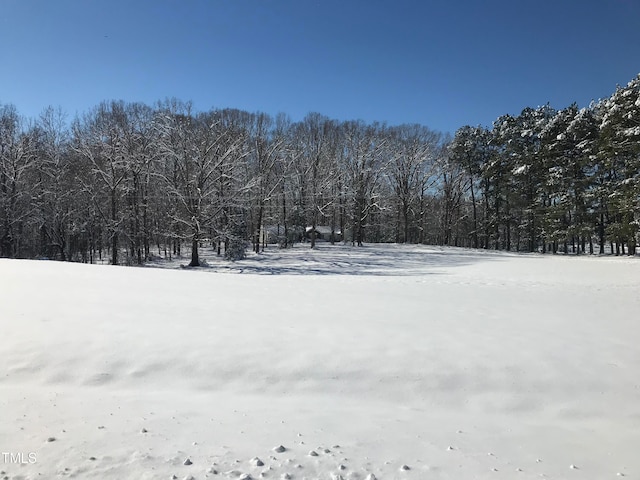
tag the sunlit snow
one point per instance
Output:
(380, 362)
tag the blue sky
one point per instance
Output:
(440, 63)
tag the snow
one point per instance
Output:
(632, 132)
(521, 170)
(386, 361)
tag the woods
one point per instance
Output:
(556, 180)
(127, 182)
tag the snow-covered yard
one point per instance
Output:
(387, 361)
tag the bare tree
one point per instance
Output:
(363, 165)
(314, 169)
(412, 151)
(17, 157)
(57, 199)
(195, 148)
(267, 140)
(99, 139)
(136, 123)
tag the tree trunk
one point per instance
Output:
(405, 218)
(258, 227)
(114, 233)
(195, 260)
(313, 231)
(285, 244)
(601, 233)
(475, 214)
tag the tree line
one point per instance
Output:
(127, 182)
(555, 180)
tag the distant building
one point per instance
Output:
(324, 233)
(274, 234)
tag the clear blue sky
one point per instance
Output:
(441, 63)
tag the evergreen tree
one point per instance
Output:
(620, 154)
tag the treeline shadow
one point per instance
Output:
(370, 260)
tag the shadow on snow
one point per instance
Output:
(372, 260)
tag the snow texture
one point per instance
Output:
(378, 358)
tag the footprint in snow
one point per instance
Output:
(233, 473)
(256, 462)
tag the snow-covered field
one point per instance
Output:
(385, 361)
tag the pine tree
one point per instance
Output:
(620, 154)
